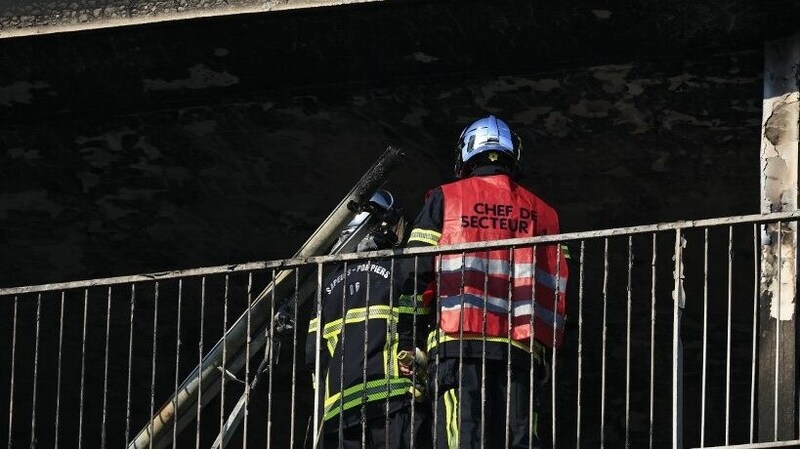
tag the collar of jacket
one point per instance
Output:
(491, 169)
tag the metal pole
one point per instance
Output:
(678, 303)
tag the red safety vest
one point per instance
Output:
(492, 208)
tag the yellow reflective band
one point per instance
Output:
(312, 325)
(332, 342)
(451, 418)
(412, 304)
(356, 316)
(374, 390)
(427, 236)
(412, 310)
(437, 337)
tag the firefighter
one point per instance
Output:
(358, 378)
(486, 312)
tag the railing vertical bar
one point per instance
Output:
(364, 366)
(36, 368)
(105, 370)
(483, 356)
(13, 366)
(704, 369)
(153, 359)
(754, 353)
(728, 339)
(317, 366)
(580, 346)
(628, 347)
(294, 363)
(247, 342)
(177, 362)
(437, 336)
(391, 325)
(603, 352)
(676, 336)
(483, 352)
(509, 317)
(554, 352)
(200, 362)
(532, 378)
(776, 381)
(461, 350)
(130, 365)
(83, 367)
(58, 369)
(269, 349)
(342, 361)
(653, 265)
(414, 341)
(223, 378)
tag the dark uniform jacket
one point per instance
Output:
(361, 304)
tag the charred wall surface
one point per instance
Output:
(214, 141)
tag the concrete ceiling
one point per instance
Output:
(203, 61)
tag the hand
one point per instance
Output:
(411, 361)
(406, 361)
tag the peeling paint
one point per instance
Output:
(21, 153)
(558, 124)
(590, 108)
(200, 77)
(27, 202)
(779, 127)
(602, 14)
(677, 82)
(614, 77)
(19, 92)
(414, 117)
(510, 84)
(422, 57)
(201, 128)
(531, 115)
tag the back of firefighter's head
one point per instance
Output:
(380, 225)
(487, 141)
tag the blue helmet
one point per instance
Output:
(492, 139)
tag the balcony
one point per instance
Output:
(661, 347)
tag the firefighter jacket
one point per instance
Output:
(363, 325)
(496, 293)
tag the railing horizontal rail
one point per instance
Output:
(496, 244)
(789, 444)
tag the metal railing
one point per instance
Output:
(660, 347)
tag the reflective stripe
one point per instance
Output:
(437, 337)
(358, 315)
(373, 390)
(451, 418)
(412, 310)
(499, 306)
(501, 267)
(427, 236)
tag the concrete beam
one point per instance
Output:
(777, 308)
(25, 18)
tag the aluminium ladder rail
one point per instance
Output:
(205, 380)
